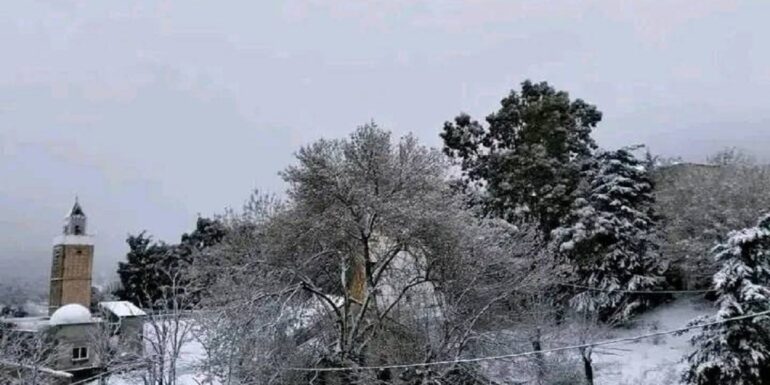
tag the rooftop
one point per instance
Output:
(122, 308)
(71, 314)
(76, 209)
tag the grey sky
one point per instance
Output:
(155, 111)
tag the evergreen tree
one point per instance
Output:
(737, 352)
(527, 159)
(610, 238)
(207, 233)
(150, 265)
(194, 249)
(139, 276)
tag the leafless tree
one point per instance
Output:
(167, 327)
(25, 357)
(585, 327)
(117, 352)
(372, 260)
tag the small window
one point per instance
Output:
(77, 230)
(79, 354)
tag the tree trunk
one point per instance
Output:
(587, 365)
(539, 359)
(357, 280)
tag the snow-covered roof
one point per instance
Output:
(122, 308)
(73, 240)
(70, 314)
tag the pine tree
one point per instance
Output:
(194, 249)
(149, 264)
(610, 237)
(527, 159)
(737, 352)
(207, 233)
(139, 277)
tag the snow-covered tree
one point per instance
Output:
(701, 203)
(526, 160)
(610, 236)
(737, 352)
(139, 277)
(141, 280)
(371, 260)
(25, 357)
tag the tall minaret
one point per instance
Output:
(73, 255)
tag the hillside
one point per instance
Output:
(653, 361)
(656, 360)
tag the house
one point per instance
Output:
(72, 340)
(128, 325)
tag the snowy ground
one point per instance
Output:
(187, 365)
(653, 361)
(657, 360)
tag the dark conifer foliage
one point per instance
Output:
(526, 159)
(139, 276)
(207, 233)
(610, 238)
(737, 352)
(151, 265)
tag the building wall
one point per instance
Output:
(68, 337)
(71, 276)
(120, 341)
(132, 335)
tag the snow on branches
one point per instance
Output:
(737, 352)
(609, 237)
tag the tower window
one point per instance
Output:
(77, 230)
(79, 354)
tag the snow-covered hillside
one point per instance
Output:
(653, 361)
(656, 360)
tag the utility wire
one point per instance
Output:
(124, 368)
(525, 354)
(636, 291)
(530, 353)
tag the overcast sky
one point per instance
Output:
(154, 112)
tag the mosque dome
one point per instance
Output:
(70, 314)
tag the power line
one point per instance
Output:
(531, 353)
(636, 291)
(499, 357)
(125, 368)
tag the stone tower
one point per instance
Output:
(73, 256)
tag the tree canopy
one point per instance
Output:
(610, 237)
(737, 352)
(527, 158)
(149, 265)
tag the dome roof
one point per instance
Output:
(70, 314)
